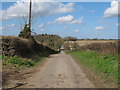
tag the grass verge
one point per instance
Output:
(17, 69)
(17, 61)
(105, 66)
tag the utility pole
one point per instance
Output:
(30, 14)
(26, 33)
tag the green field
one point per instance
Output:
(105, 66)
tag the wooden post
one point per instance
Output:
(30, 13)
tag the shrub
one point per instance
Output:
(53, 41)
(17, 61)
(104, 48)
(24, 48)
(70, 38)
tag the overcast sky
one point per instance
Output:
(79, 19)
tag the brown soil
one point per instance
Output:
(17, 77)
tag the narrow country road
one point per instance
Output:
(60, 71)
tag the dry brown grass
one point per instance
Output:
(86, 42)
(104, 48)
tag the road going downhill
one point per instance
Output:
(60, 71)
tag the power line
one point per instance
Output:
(41, 16)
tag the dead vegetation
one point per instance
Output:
(104, 48)
(100, 46)
(22, 47)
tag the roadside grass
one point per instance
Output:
(105, 66)
(14, 67)
(18, 62)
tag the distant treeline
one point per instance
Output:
(94, 39)
(53, 41)
(69, 38)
